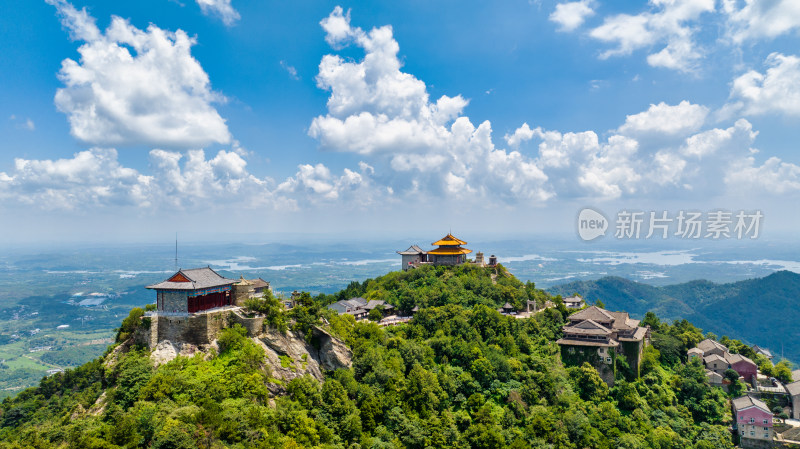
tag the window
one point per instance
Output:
(608, 359)
(752, 433)
(766, 429)
(765, 421)
(766, 435)
(752, 420)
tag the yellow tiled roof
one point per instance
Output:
(444, 251)
(449, 240)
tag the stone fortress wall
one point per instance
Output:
(201, 328)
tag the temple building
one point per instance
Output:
(597, 336)
(413, 256)
(191, 291)
(448, 252)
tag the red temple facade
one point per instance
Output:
(192, 291)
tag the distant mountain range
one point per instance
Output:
(763, 311)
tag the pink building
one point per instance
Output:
(753, 420)
(742, 365)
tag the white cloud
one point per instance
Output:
(661, 153)
(579, 165)
(291, 70)
(377, 110)
(666, 119)
(26, 124)
(136, 87)
(774, 177)
(667, 24)
(90, 178)
(522, 134)
(777, 90)
(220, 8)
(761, 18)
(714, 140)
(177, 182)
(318, 184)
(571, 15)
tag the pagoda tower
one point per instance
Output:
(448, 251)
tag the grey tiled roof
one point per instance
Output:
(709, 344)
(259, 283)
(587, 327)
(793, 388)
(746, 401)
(572, 342)
(764, 351)
(714, 358)
(736, 358)
(377, 302)
(592, 313)
(199, 278)
(412, 250)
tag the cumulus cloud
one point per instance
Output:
(667, 24)
(774, 176)
(683, 158)
(177, 181)
(579, 165)
(775, 91)
(220, 8)
(714, 140)
(666, 119)
(135, 86)
(522, 134)
(377, 110)
(761, 18)
(320, 185)
(93, 177)
(571, 15)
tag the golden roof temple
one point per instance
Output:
(448, 251)
(449, 245)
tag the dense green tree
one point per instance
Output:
(587, 383)
(459, 375)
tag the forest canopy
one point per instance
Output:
(458, 375)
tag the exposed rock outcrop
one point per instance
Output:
(167, 350)
(287, 354)
(290, 356)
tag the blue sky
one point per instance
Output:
(131, 120)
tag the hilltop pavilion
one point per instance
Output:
(192, 291)
(449, 251)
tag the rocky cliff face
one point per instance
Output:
(290, 356)
(287, 355)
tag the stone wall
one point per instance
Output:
(253, 325)
(751, 443)
(173, 301)
(241, 293)
(199, 329)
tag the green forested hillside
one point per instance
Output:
(459, 375)
(760, 311)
